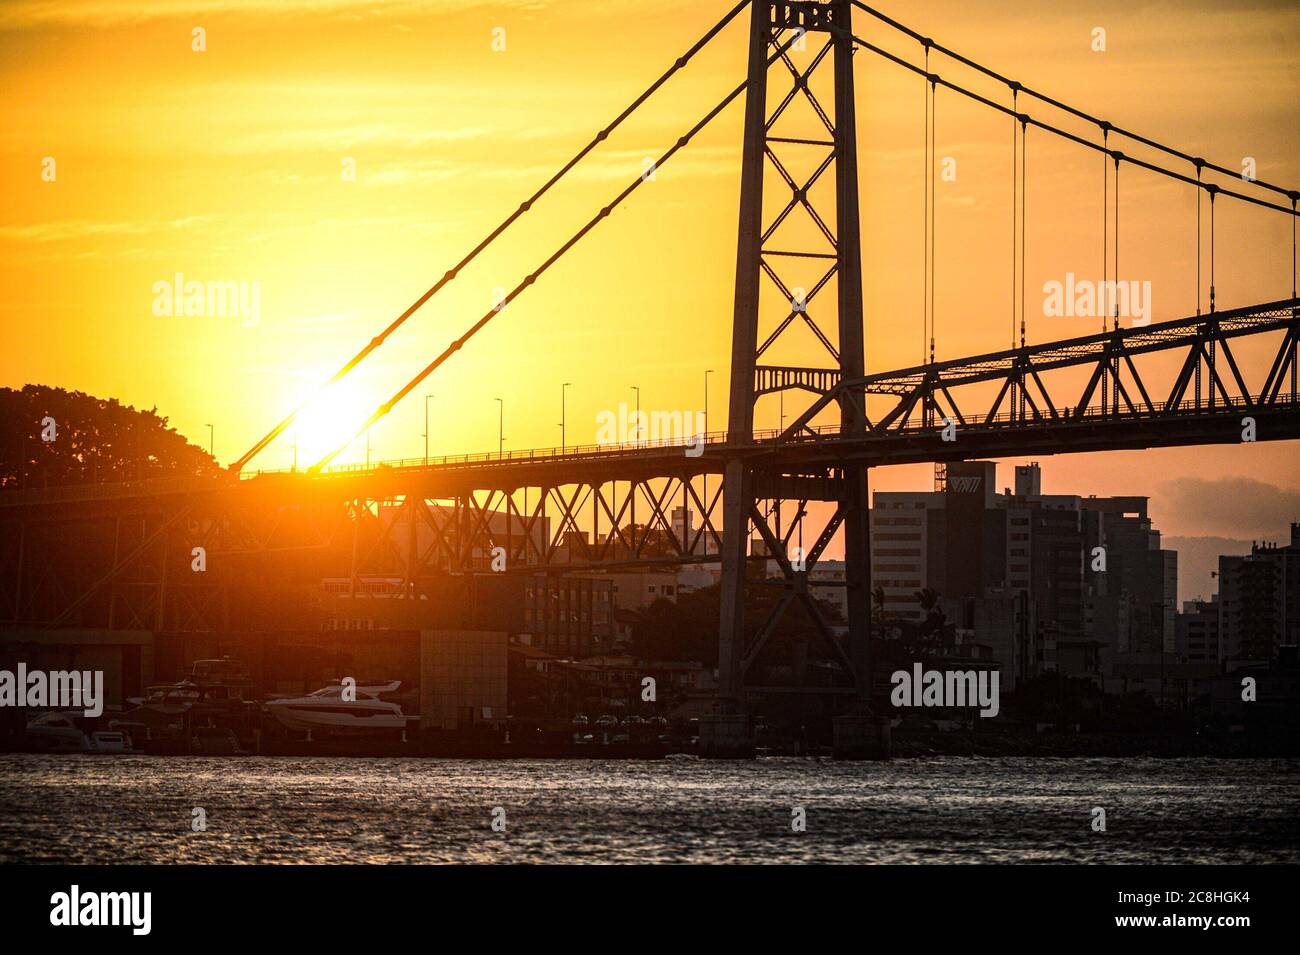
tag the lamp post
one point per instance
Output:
(564, 417)
(707, 372)
(636, 442)
(426, 429)
(501, 424)
(212, 441)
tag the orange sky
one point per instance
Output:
(227, 165)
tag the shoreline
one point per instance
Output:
(911, 746)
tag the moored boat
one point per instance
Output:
(329, 711)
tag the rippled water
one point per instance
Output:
(139, 809)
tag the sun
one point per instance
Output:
(330, 417)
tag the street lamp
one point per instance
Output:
(636, 442)
(212, 441)
(501, 423)
(707, 372)
(426, 429)
(563, 415)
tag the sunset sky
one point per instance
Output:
(229, 164)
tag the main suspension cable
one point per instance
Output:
(1063, 133)
(1080, 114)
(604, 212)
(524, 207)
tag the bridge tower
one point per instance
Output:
(793, 46)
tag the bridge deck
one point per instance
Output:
(809, 449)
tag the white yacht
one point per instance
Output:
(109, 741)
(58, 732)
(327, 711)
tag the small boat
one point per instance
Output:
(214, 694)
(209, 681)
(327, 711)
(57, 732)
(109, 741)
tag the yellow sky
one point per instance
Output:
(228, 165)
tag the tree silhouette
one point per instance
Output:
(95, 441)
(932, 629)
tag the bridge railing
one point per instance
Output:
(571, 451)
(649, 447)
(157, 487)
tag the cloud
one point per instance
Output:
(316, 321)
(625, 165)
(1198, 558)
(26, 14)
(67, 229)
(105, 13)
(349, 137)
(1236, 507)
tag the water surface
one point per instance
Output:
(100, 809)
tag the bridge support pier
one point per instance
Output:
(747, 486)
(727, 736)
(858, 736)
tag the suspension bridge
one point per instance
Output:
(754, 491)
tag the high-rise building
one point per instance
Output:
(970, 544)
(900, 535)
(1259, 601)
(1196, 632)
(1132, 582)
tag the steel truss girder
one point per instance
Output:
(925, 393)
(551, 529)
(134, 566)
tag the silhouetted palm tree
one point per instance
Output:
(928, 598)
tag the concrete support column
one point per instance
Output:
(860, 737)
(727, 736)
